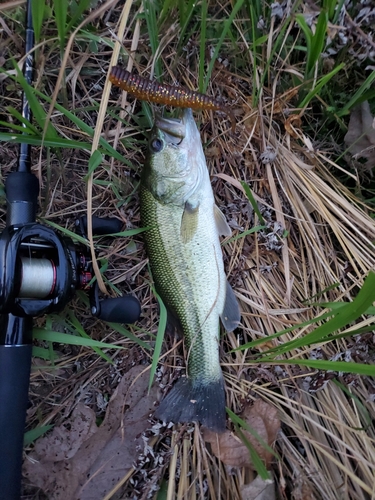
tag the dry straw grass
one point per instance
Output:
(326, 443)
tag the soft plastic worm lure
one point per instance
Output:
(151, 90)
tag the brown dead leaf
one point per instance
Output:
(86, 461)
(259, 489)
(281, 102)
(263, 418)
(291, 124)
(360, 138)
(251, 118)
(64, 441)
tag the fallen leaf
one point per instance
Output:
(263, 418)
(280, 104)
(92, 460)
(259, 489)
(64, 441)
(291, 124)
(360, 138)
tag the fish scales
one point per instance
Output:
(185, 256)
(188, 277)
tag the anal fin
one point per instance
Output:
(174, 326)
(231, 315)
(222, 226)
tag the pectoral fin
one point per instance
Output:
(231, 315)
(189, 222)
(221, 223)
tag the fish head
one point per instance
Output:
(176, 164)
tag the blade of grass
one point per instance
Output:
(357, 96)
(159, 337)
(129, 232)
(37, 110)
(120, 329)
(17, 115)
(41, 352)
(331, 305)
(37, 141)
(67, 232)
(255, 458)
(320, 84)
(87, 129)
(95, 160)
(252, 201)
(186, 19)
(37, 12)
(244, 233)
(81, 331)
(76, 10)
(150, 14)
(319, 364)
(241, 423)
(361, 407)
(202, 43)
(61, 13)
(65, 338)
(227, 24)
(253, 18)
(314, 41)
(345, 315)
(32, 435)
(319, 38)
(16, 128)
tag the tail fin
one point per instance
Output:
(190, 401)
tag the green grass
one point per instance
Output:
(342, 315)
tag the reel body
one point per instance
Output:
(40, 271)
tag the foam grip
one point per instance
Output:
(125, 309)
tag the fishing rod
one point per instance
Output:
(39, 272)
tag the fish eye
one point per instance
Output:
(156, 145)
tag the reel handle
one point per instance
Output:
(100, 225)
(126, 309)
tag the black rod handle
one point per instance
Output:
(15, 363)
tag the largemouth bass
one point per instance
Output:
(183, 247)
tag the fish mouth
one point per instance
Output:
(174, 128)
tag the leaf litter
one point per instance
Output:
(82, 460)
(230, 449)
(326, 442)
(360, 138)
